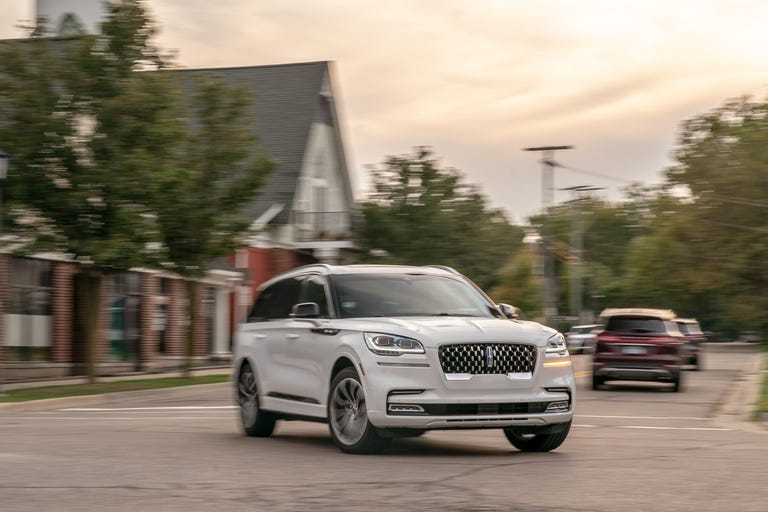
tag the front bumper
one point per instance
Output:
(420, 396)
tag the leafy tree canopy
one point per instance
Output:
(421, 213)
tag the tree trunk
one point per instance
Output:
(88, 286)
(191, 316)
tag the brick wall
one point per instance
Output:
(282, 260)
(177, 311)
(200, 347)
(62, 309)
(149, 339)
(102, 337)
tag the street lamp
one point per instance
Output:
(4, 157)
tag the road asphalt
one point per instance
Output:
(737, 406)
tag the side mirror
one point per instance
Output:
(508, 311)
(305, 310)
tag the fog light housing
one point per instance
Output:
(405, 409)
(558, 406)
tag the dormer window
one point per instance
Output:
(70, 26)
(323, 114)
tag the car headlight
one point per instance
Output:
(392, 345)
(556, 346)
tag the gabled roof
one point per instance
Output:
(285, 100)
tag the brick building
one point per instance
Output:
(303, 215)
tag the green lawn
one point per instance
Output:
(25, 394)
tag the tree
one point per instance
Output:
(721, 161)
(420, 213)
(100, 142)
(199, 205)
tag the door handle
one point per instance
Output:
(292, 336)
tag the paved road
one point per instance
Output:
(633, 448)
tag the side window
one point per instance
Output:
(260, 310)
(276, 300)
(285, 297)
(314, 291)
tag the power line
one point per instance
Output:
(598, 174)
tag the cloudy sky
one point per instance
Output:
(478, 80)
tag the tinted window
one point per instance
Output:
(634, 324)
(314, 291)
(276, 300)
(370, 295)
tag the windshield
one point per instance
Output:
(391, 295)
(689, 328)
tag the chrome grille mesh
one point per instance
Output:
(488, 358)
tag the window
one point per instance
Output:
(314, 291)
(276, 300)
(370, 295)
(638, 325)
(28, 330)
(124, 303)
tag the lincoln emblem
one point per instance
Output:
(489, 359)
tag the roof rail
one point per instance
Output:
(446, 268)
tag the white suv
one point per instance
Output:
(380, 351)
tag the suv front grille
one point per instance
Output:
(488, 358)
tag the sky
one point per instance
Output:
(479, 80)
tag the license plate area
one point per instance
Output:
(634, 350)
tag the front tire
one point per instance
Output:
(255, 422)
(348, 416)
(537, 442)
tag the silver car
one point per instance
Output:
(581, 338)
(381, 351)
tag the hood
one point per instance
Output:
(433, 331)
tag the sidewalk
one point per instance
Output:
(207, 370)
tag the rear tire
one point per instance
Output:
(597, 381)
(537, 442)
(255, 422)
(677, 382)
(697, 366)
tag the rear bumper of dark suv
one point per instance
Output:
(624, 372)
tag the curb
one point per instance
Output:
(52, 403)
(737, 406)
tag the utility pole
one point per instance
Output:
(547, 194)
(576, 262)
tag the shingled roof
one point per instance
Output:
(284, 102)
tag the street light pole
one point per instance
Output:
(4, 157)
(576, 262)
(547, 194)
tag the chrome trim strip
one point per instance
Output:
(458, 376)
(405, 365)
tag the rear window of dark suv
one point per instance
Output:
(638, 325)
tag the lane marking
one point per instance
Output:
(641, 427)
(673, 428)
(137, 418)
(170, 408)
(695, 418)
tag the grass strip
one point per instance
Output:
(98, 388)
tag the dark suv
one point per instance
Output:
(638, 345)
(694, 337)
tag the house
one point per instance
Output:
(304, 214)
